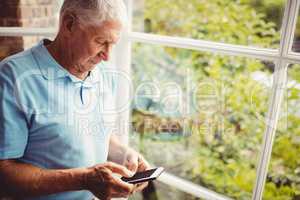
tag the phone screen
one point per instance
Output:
(139, 175)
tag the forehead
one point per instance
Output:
(107, 30)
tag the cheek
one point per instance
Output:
(86, 53)
(84, 49)
(80, 50)
(93, 50)
(81, 54)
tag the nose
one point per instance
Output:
(106, 51)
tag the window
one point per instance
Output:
(164, 191)
(296, 44)
(255, 23)
(202, 119)
(172, 41)
(283, 176)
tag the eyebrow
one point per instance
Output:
(106, 40)
(110, 39)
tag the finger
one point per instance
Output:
(121, 187)
(119, 169)
(143, 164)
(140, 187)
(132, 165)
(131, 161)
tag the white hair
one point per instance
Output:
(95, 12)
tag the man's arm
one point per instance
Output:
(25, 180)
(117, 151)
(20, 179)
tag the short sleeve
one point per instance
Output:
(13, 124)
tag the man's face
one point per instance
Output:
(92, 44)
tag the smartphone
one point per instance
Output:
(144, 176)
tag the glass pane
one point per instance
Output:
(201, 115)
(296, 44)
(37, 14)
(244, 22)
(160, 191)
(283, 181)
(12, 45)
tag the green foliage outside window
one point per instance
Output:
(225, 158)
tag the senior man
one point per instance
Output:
(54, 142)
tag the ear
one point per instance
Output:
(69, 23)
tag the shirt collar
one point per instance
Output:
(52, 70)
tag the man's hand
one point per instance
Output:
(132, 160)
(135, 162)
(102, 182)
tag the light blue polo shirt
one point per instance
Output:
(50, 118)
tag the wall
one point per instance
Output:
(25, 13)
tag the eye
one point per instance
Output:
(100, 42)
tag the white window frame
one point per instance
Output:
(282, 57)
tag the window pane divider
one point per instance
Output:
(278, 89)
(292, 58)
(203, 45)
(122, 61)
(279, 81)
(190, 188)
(291, 29)
(21, 31)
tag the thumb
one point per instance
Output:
(119, 169)
(132, 164)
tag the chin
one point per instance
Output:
(93, 63)
(93, 66)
